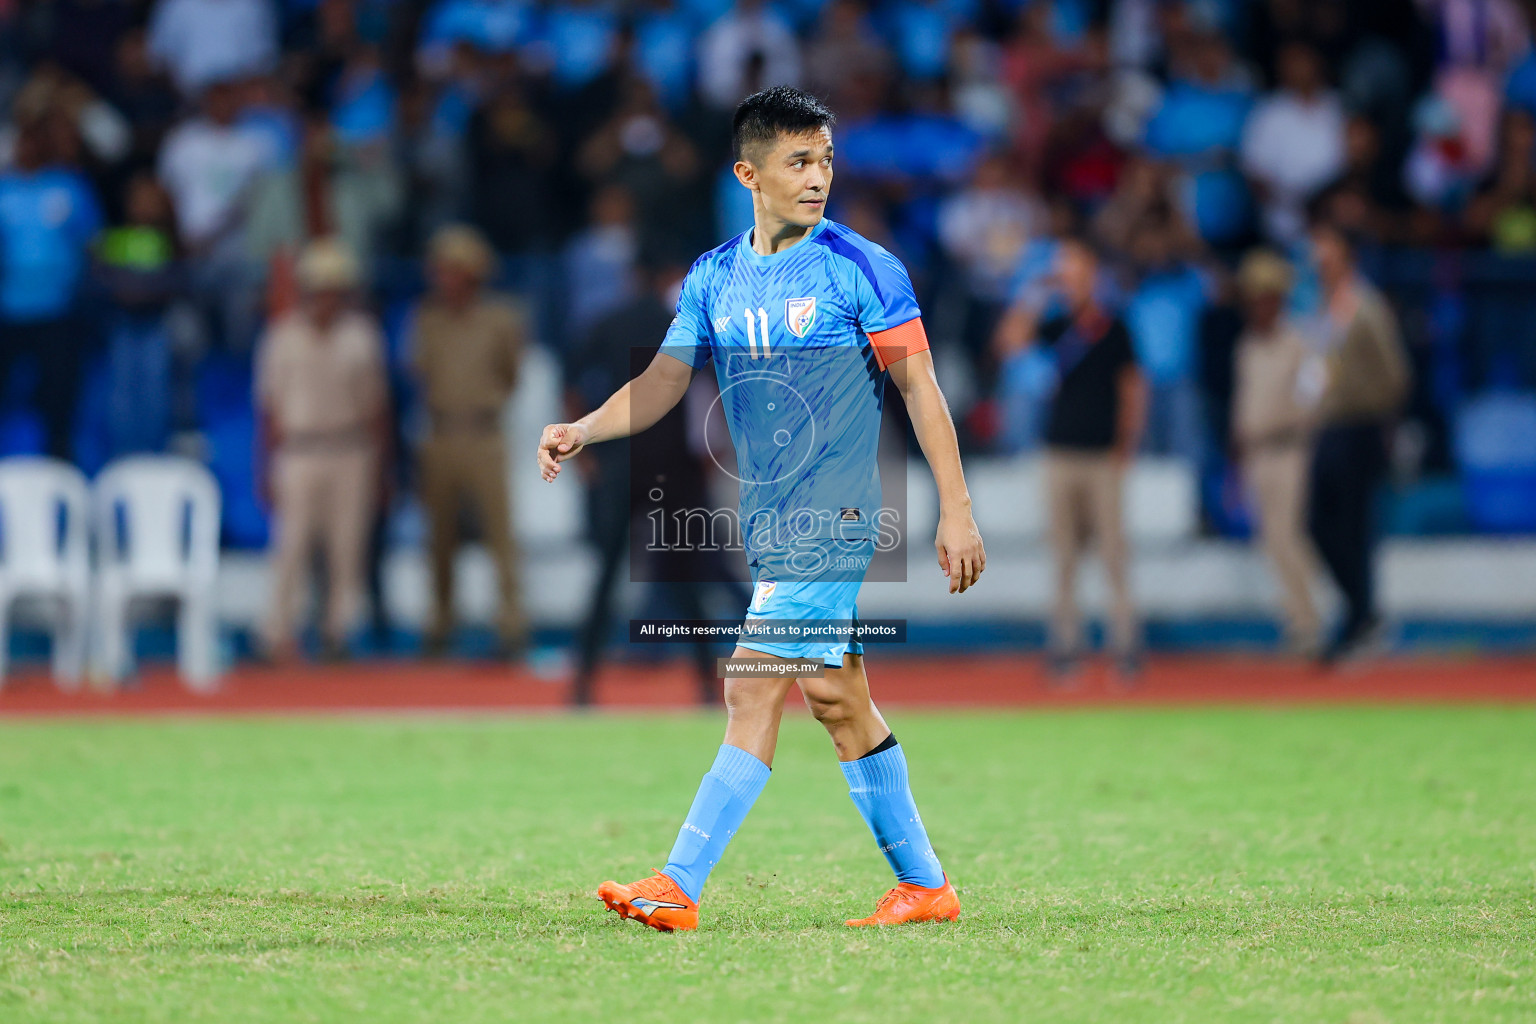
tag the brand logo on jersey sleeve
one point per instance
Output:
(799, 314)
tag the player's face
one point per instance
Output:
(793, 178)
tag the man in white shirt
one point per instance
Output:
(748, 49)
(205, 41)
(208, 166)
(1293, 143)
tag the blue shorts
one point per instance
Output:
(818, 583)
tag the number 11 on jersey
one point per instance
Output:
(762, 319)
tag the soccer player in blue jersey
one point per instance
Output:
(803, 320)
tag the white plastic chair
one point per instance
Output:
(45, 552)
(157, 535)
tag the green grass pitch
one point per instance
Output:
(1349, 865)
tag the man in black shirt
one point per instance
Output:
(1092, 428)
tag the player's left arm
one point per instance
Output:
(958, 543)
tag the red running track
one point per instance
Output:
(997, 681)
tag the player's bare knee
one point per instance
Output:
(749, 698)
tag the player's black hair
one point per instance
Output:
(781, 110)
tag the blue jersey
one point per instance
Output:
(801, 385)
(47, 221)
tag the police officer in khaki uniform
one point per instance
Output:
(467, 346)
(1272, 432)
(321, 394)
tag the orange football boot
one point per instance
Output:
(908, 903)
(657, 902)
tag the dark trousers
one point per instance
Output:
(613, 525)
(139, 383)
(1348, 465)
(57, 346)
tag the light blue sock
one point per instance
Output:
(725, 796)
(878, 785)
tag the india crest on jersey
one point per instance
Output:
(799, 314)
(765, 590)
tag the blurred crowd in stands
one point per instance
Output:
(165, 163)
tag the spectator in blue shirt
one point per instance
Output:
(663, 50)
(1199, 125)
(1026, 374)
(48, 219)
(925, 147)
(801, 14)
(492, 26)
(600, 261)
(704, 13)
(363, 101)
(920, 33)
(1163, 313)
(581, 36)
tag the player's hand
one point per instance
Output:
(961, 554)
(560, 441)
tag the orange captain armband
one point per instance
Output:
(899, 342)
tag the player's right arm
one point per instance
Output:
(634, 407)
(640, 403)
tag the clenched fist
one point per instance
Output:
(560, 441)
